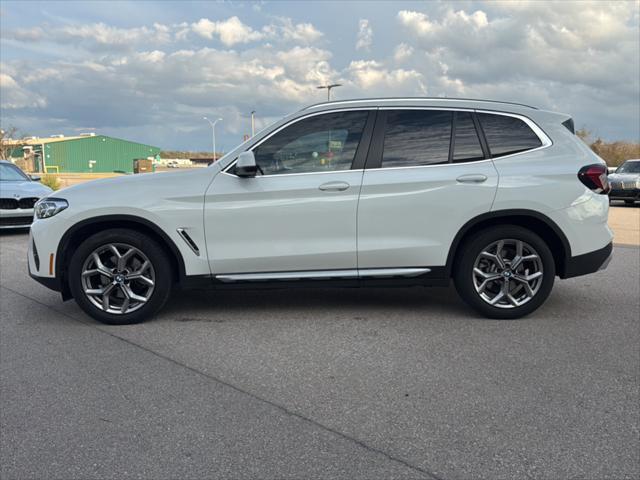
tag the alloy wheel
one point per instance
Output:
(118, 278)
(507, 273)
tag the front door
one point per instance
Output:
(299, 213)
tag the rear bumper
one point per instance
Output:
(588, 263)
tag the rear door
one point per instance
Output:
(427, 175)
(299, 215)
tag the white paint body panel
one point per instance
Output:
(409, 217)
(281, 223)
(405, 217)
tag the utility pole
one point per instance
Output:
(329, 87)
(213, 133)
(253, 122)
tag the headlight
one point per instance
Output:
(48, 207)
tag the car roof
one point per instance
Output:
(421, 101)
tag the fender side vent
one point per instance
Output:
(189, 241)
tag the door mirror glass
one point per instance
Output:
(246, 165)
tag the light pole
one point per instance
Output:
(213, 132)
(253, 122)
(329, 87)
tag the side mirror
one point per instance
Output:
(246, 165)
(35, 178)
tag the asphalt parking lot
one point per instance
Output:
(371, 383)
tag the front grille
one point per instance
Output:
(27, 202)
(626, 185)
(16, 221)
(14, 203)
(8, 203)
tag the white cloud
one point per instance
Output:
(230, 31)
(402, 52)
(300, 32)
(15, 96)
(365, 35)
(95, 35)
(372, 76)
(159, 79)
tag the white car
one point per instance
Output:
(500, 197)
(18, 195)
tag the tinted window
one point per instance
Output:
(11, 173)
(321, 143)
(506, 135)
(629, 167)
(467, 146)
(416, 137)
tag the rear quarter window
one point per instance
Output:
(507, 135)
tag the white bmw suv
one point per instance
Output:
(499, 197)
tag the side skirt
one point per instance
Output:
(396, 277)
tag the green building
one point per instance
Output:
(87, 153)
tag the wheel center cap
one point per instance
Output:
(119, 278)
(506, 274)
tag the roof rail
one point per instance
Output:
(354, 100)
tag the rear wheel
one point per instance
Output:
(505, 272)
(120, 276)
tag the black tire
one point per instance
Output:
(471, 249)
(150, 248)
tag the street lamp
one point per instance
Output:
(213, 131)
(253, 122)
(329, 87)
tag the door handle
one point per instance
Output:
(334, 186)
(472, 178)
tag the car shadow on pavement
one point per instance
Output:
(435, 300)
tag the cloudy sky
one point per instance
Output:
(149, 71)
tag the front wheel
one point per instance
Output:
(120, 276)
(505, 272)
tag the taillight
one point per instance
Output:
(594, 177)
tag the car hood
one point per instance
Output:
(624, 176)
(23, 189)
(141, 191)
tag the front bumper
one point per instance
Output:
(624, 194)
(16, 218)
(589, 262)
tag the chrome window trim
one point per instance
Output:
(288, 124)
(445, 164)
(542, 136)
(297, 174)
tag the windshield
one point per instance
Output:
(11, 173)
(629, 167)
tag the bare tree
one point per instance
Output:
(5, 146)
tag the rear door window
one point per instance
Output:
(507, 135)
(416, 137)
